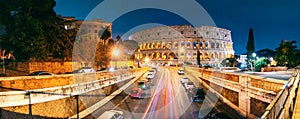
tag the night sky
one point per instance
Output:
(272, 20)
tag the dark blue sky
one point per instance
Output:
(271, 20)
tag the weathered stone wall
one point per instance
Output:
(62, 108)
(268, 69)
(257, 107)
(242, 92)
(53, 67)
(37, 82)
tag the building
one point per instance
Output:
(265, 53)
(179, 45)
(88, 29)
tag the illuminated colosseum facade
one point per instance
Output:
(179, 45)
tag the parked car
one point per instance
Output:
(189, 85)
(137, 93)
(39, 73)
(85, 70)
(143, 84)
(112, 114)
(181, 72)
(184, 79)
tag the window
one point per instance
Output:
(182, 43)
(182, 32)
(188, 44)
(195, 32)
(158, 34)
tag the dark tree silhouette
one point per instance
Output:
(250, 45)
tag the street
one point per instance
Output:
(166, 98)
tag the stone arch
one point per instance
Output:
(188, 44)
(153, 55)
(153, 45)
(216, 55)
(169, 45)
(163, 45)
(182, 44)
(195, 44)
(207, 56)
(149, 45)
(217, 45)
(206, 44)
(212, 56)
(212, 45)
(201, 44)
(175, 44)
(201, 55)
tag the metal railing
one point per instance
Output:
(280, 107)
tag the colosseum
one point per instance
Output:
(179, 45)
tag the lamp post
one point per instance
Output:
(227, 61)
(116, 53)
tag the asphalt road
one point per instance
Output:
(166, 98)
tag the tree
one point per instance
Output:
(250, 45)
(118, 39)
(260, 63)
(286, 54)
(230, 62)
(33, 30)
(104, 34)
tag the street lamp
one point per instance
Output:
(227, 61)
(116, 53)
(147, 60)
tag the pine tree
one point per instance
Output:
(250, 45)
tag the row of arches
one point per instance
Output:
(181, 55)
(187, 44)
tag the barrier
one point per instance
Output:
(279, 108)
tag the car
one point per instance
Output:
(181, 72)
(85, 70)
(112, 114)
(102, 69)
(189, 85)
(137, 93)
(39, 73)
(150, 75)
(184, 79)
(152, 71)
(143, 84)
(196, 94)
